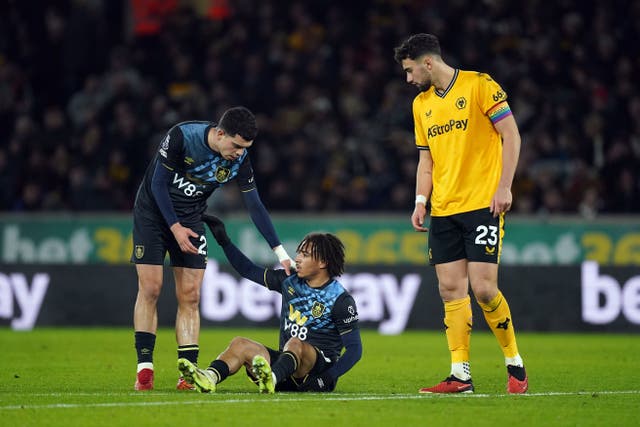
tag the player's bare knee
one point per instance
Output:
(189, 296)
(239, 343)
(484, 294)
(150, 291)
(294, 345)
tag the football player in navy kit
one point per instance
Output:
(193, 160)
(318, 319)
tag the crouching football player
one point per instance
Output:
(318, 319)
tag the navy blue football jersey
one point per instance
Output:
(318, 316)
(196, 171)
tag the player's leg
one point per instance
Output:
(240, 352)
(453, 287)
(145, 322)
(188, 272)
(497, 313)
(484, 245)
(297, 359)
(188, 284)
(446, 252)
(313, 378)
(148, 255)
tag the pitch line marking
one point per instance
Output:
(265, 399)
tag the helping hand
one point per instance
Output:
(284, 259)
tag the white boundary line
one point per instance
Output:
(256, 398)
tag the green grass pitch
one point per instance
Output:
(84, 377)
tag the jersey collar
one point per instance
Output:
(451, 83)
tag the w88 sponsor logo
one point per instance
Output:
(188, 188)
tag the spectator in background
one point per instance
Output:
(308, 75)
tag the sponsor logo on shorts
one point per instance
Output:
(489, 250)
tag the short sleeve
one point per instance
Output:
(345, 313)
(489, 92)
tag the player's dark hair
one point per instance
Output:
(239, 121)
(416, 46)
(327, 248)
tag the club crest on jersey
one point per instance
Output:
(139, 251)
(461, 102)
(222, 174)
(317, 309)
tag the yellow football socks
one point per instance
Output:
(458, 322)
(498, 317)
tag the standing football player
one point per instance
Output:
(469, 146)
(193, 160)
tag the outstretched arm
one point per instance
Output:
(243, 265)
(261, 219)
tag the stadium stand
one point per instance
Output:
(88, 87)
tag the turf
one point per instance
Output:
(84, 377)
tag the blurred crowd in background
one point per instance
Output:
(89, 87)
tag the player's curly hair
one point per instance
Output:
(327, 248)
(239, 121)
(416, 46)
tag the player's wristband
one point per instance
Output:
(421, 199)
(281, 253)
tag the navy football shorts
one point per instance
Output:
(152, 239)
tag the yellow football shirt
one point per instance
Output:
(456, 125)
